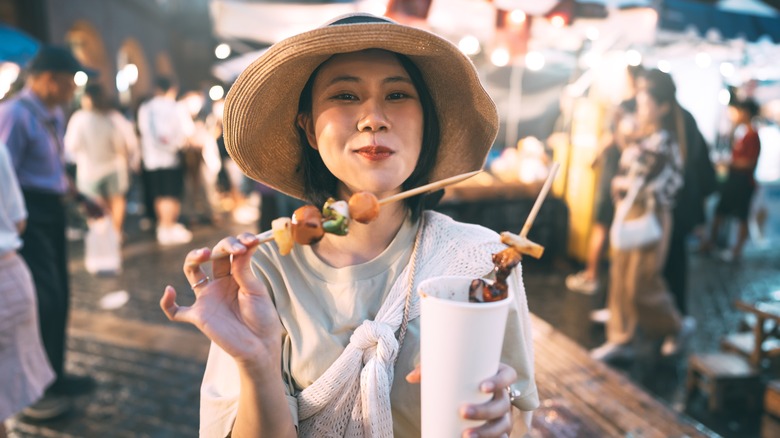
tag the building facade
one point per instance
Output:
(129, 42)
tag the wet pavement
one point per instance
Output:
(148, 370)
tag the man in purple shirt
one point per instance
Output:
(32, 125)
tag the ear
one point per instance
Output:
(305, 122)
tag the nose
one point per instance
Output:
(373, 117)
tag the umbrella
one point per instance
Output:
(17, 46)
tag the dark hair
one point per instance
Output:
(164, 83)
(748, 105)
(320, 183)
(97, 96)
(660, 86)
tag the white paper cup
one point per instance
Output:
(460, 346)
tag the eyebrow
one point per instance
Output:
(355, 79)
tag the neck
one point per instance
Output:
(364, 242)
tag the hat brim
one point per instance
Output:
(261, 107)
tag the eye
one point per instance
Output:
(398, 95)
(344, 96)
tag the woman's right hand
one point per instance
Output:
(233, 309)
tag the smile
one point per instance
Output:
(375, 153)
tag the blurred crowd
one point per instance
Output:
(656, 178)
(88, 169)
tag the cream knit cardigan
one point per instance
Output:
(352, 397)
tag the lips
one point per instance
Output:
(375, 153)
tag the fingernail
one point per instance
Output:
(488, 387)
(470, 412)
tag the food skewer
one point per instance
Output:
(363, 198)
(504, 261)
(521, 242)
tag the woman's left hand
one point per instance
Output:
(497, 412)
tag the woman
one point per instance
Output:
(104, 146)
(621, 130)
(639, 300)
(361, 104)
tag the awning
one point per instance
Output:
(228, 71)
(17, 47)
(274, 21)
(731, 19)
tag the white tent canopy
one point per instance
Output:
(273, 21)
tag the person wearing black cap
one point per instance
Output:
(32, 126)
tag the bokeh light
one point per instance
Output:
(216, 92)
(222, 51)
(469, 45)
(80, 78)
(534, 61)
(500, 57)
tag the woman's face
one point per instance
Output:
(366, 121)
(649, 112)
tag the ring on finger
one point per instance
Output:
(202, 281)
(514, 395)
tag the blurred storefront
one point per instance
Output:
(129, 42)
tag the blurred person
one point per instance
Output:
(105, 148)
(26, 370)
(688, 215)
(308, 344)
(163, 135)
(620, 132)
(201, 160)
(32, 125)
(737, 191)
(641, 307)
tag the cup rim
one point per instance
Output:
(463, 304)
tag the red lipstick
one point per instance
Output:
(375, 153)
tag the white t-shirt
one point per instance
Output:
(163, 132)
(101, 143)
(12, 208)
(320, 306)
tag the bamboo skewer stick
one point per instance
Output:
(397, 197)
(539, 200)
(520, 242)
(428, 187)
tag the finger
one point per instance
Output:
(242, 263)
(170, 308)
(414, 375)
(192, 262)
(220, 267)
(505, 376)
(490, 410)
(500, 427)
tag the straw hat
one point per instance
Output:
(261, 107)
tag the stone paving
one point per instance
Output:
(148, 370)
